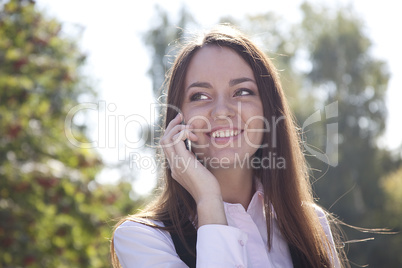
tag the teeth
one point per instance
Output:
(224, 133)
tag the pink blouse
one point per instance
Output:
(241, 243)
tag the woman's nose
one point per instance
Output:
(223, 109)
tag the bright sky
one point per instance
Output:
(118, 60)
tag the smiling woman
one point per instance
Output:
(220, 205)
(221, 100)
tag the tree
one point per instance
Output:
(344, 70)
(326, 60)
(280, 41)
(162, 40)
(53, 213)
(159, 39)
(338, 68)
(391, 184)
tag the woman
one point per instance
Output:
(223, 202)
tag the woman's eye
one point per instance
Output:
(243, 92)
(198, 96)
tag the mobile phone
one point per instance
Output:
(187, 142)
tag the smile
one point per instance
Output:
(225, 133)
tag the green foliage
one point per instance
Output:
(159, 38)
(392, 185)
(53, 213)
(386, 249)
(162, 40)
(280, 41)
(344, 70)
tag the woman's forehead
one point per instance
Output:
(215, 62)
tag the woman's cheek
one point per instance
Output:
(199, 123)
(255, 127)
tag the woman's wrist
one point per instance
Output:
(211, 211)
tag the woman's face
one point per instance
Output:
(222, 103)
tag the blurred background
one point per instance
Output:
(79, 83)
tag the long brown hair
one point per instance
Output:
(287, 191)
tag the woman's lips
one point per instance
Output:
(223, 135)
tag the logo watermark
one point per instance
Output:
(113, 133)
(140, 161)
(330, 156)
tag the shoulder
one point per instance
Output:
(323, 218)
(319, 211)
(140, 225)
(140, 232)
(131, 222)
(140, 243)
(321, 214)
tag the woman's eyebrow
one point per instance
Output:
(236, 81)
(200, 84)
(232, 83)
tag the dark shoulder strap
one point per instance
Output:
(298, 258)
(190, 235)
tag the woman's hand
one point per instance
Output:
(191, 174)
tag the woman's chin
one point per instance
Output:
(225, 159)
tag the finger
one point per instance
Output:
(184, 133)
(191, 136)
(170, 143)
(175, 159)
(177, 145)
(179, 138)
(170, 149)
(180, 157)
(175, 121)
(169, 138)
